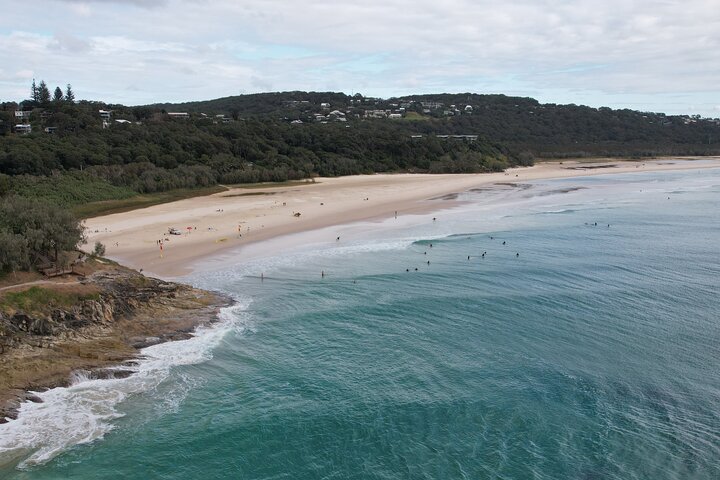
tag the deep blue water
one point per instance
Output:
(593, 354)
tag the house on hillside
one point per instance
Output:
(432, 105)
(50, 129)
(23, 129)
(375, 114)
(395, 116)
(470, 138)
(180, 115)
(22, 115)
(105, 116)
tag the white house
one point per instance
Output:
(22, 115)
(375, 114)
(23, 129)
(182, 115)
(395, 116)
(105, 114)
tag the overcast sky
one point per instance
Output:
(661, 55)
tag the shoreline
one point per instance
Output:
(170, 320)
(100, 336)
(227, 222)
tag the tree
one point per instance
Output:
(58, 96)
(13, 252)
(43, 94)
(99, 250)
(34, 92)
(69, 94)
(44, 228)
(5, 184)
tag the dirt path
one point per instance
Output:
(39, 282)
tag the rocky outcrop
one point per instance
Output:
(125, 312)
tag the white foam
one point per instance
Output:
(84, 411)
(303, 255)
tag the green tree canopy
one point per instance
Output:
(69, 94)
(58, 95)
(43, 96)
(31, 229)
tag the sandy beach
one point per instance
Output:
(229, 220)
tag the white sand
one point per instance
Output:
(131, 237)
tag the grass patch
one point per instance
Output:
(41, 300)
(415, 117)
(289, 183)
(107, 207)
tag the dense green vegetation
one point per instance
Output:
(91, 163)
(33, 232)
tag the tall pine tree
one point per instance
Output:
(34, 92)
(69, 94)
(43, 94)
(58, 96)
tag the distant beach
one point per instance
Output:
(227, 221)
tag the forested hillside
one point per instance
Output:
(78, 152)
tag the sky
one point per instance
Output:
(661, 55)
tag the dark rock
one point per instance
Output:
(109, 373)
(41, 326)
(21, 321)
(32, 398)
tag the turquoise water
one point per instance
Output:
(591, 355)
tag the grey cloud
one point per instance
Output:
(136, 3)
(70, 43)
(382, 46)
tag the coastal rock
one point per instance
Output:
(109, 373)
(21, 321)
(120, 311)
(96, 312)
(68, 319)
(41, 326)
(142, 342)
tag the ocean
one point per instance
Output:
(584, 344)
